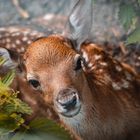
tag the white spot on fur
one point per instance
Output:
(26, 32)
(103, 63)
(116, 86)
(90, 65)
(93, 45)
(29, 42)
(83, 66)
(22, 49)
(18, 42)
(85, 56)
(125, 83)
(118, 68)
(24, 38)
(97, 57)
(101, 70)
(13, 45)
(119, 85)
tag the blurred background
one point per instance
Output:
(53, 14)
(116, 23)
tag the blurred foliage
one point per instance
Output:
(12, 123)
(42, 129)
(129, 15)
(11, 107)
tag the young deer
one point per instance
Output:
(94, 95)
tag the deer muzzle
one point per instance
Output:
(68, 103)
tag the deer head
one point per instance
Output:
(56, 69)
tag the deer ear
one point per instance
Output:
(79, 23)
(12, 61)
(9, 64)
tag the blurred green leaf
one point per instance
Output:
(7, 80)
(43, 129)
(134, 37)
(7, 124)
(16, 105)
(2, 61)
(139, 2)
(126, 15)
(12, 108)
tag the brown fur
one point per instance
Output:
(33, 98)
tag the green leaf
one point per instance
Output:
(134, 37)
(43, 129)
(3, 88)
(7, 80)
(2, 61)
(12, 108)
(16, 105)
(126, 15)
(7, 124)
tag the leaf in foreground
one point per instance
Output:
(42, 129)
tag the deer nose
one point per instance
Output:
(67, 98)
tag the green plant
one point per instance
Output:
(11, 107)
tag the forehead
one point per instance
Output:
(49, 51)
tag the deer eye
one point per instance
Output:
(78, 65)
(34, 83)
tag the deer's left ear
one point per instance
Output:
(79, 23)
(9, 64)
(12, 61)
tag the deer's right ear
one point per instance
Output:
(79, 23)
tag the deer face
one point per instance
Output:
(55, 69)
